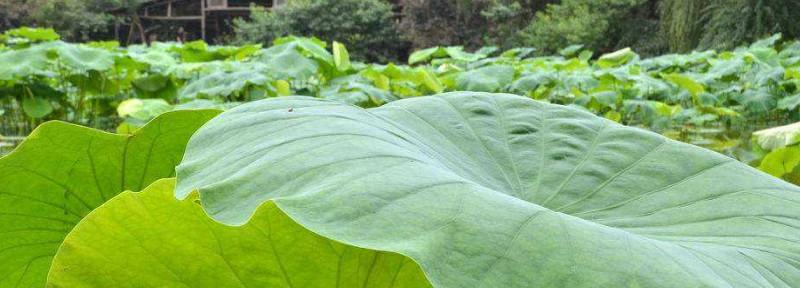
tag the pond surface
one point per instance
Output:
(7, 144)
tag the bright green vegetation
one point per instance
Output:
(714, 99)
(175, 244)
(461, 189)
(61, 172)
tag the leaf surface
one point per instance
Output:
(151, 239)
(63, 171)
(496, 190)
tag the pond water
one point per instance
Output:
(7, 144)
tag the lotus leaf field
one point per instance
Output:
(296, 166)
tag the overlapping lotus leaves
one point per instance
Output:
(63, 171)
(151, 239)
(33, 34)
(494, 190)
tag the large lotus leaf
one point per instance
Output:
(194, 52)
(486, 79)
(756, 101)
(722, 68)
(425, 55)
(531, 81)
(36, 107)
(238, 53)
(16, 64)
(778, 137)
(95, 84)
(81, 58)
(155, 86)
(151, 83)
(63, 171)
(616, 58)
(340, 57)
(151, 239)
(781, 162)
(34, 34)
(143, 109)
(353, 90)
(695, 88)
(286, 62)
(222, 84)
(311, 47)
(789, 103)
(157, 60)
(496, 190)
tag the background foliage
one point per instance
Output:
(365, 26)
(381, 30)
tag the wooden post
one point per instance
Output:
(130, 35)
(203, 19)
(116, 29)
(137, 23)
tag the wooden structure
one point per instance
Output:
(202, 12)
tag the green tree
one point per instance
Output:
(723, 24)
(14, 13)
(600, 25)
(366, 27)
(472, 24)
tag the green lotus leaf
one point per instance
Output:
(340, 57)
(23, 63)
(756, 101)
(789, 103)
(519, 52)
(496, 190)
(687, 83)
(722, 68)
(781, 161)
(151, 83)
(143, 109)
(311, 47)
(95, 84)
(155, 86)
(81, 58)
(356, 91)
(287, 62)
(425, 55)
(34, 34)
(160, 61)
(486, 79)
(616, 58)
(571, 50)
(150, 239)
(36, 107)
(63, 171)
(777, 137)
(222, 84)
(194, 51)
(458, 53)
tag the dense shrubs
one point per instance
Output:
(724, 24)
(379, 30)
(366, 27)
(473, 24)
(75, 20)
(600, 25)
